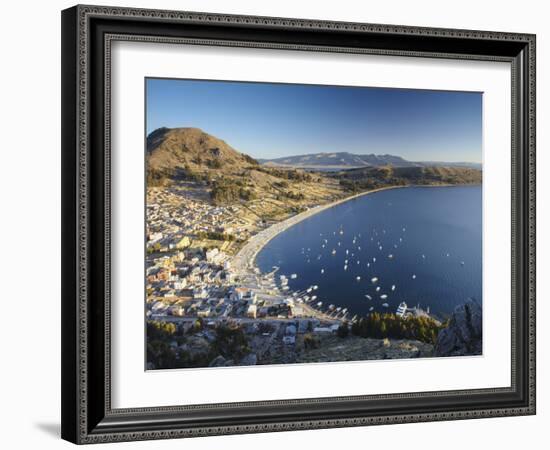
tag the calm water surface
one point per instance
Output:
(424, 241)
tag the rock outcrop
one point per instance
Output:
(463, 335)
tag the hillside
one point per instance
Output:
(371, 177)
(192, 149)
(344, 160)
(208, 167)
(337, 160)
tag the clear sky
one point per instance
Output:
(267, 120)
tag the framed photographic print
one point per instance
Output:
(282, 224)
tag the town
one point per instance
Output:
(194, 272)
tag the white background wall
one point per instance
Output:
(30, 222)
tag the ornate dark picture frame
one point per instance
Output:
(87, 34)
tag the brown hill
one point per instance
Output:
(191, 148)
(189, 157)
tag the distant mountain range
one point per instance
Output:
(345, 160)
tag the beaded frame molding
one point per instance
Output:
(87, 35)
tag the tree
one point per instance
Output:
(231, 342)
(343, 330)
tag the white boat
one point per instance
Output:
(368, 296)
(322, 270)
(461, 263)
(380, 248)
(345, 261)
(333, 252)
(377, 288)
(383, 296)
(319, 304)
(306, 298)
(309, 290)
(358, 278)
(339, 309)
(315, 287)
(331, 307)
(314, 298)
(385, 305)
(371, 308)
(368, 264)
(401, 309)
(393, 287)
(347, 252)
(374, 279)
(423, 256)
(414, 277)
(345, 267)
(373, 259)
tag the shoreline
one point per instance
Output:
(246, 257)
(244, 262)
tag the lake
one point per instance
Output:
(423, 244)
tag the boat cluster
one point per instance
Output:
(364, 251)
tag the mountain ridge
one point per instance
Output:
(343, 160)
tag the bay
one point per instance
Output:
(423, 244)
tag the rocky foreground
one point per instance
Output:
(463, 335)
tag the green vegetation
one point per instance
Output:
(215, 236)
(311, 342)
(214, 163)
(225, 191)
(391, 326)
(249, 159)
(286, 174)
(343, 330)
(231, 342)
(169, 347)
(159, 177)
(358, 180)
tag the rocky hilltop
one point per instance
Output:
(172, 148)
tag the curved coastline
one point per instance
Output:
(245, 259)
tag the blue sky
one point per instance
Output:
(267, 120)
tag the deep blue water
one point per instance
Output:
(434, 233)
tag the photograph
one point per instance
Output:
(300, 223)
(272, 223)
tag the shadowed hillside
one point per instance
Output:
(375, 177)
